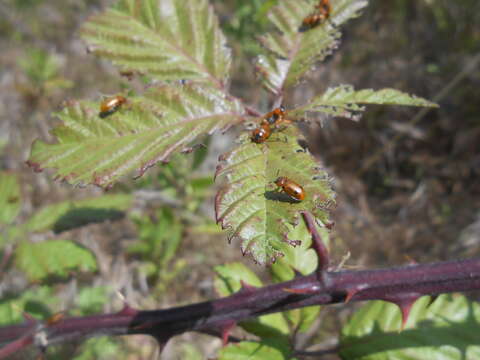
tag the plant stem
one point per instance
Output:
(391, 284)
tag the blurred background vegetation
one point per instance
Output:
(407, 179)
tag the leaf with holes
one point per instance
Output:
(166, 40)
(344, 101)
(292, 52)
(443, 329)
(53, 258)
(249, 205)
(144, 131)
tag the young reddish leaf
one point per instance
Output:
(146, 130)
(292, 53)
(250, 206)
(166, 40)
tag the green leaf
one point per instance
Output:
(250, 208)
(37, 302)
(159, 238)
(446, 329)
(304, 260)
(228, 281)
(293, 53)
(251, 350)
(92, 150)
(9, 198)
(39, 65)
(166, 40)
(344, 101)
(301, 258)
(53, 258)
(99, 348)
(90, 300)
(71, 214)
(229, 276)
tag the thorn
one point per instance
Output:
(161, 341)
(405, 303)
(29, 319)
(226, 328)
(410, 260)
(350, 294)
(297, 273)
(246, 288)
(127, 310)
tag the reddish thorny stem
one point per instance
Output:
(400, 285)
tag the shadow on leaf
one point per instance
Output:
(82, 216)
(280, 196)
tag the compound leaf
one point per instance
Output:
(70, 214)
(344, 101)
(250, 208)
(53, 258)
(166, 40)
(444, 329)
(9, 198)
(292, 53)
(146, 130)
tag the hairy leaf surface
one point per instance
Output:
(344, 101)
(446, 329)
(146, 130)
(9, 198)
(166, 40)
(249, 205)
(55, 258)
(293, 53)
(70, 214)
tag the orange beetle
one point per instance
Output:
(274, 116)
(324, 8)
(291, 188)
(110, 105)
(261, 134)
(323, 13)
